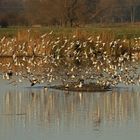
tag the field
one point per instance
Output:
(119, 30)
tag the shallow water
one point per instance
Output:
(40, 114)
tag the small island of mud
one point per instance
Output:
(90, 87)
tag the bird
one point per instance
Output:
(34, 81)
(10, 73)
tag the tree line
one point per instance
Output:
(68, 12)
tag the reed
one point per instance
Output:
(31, 42)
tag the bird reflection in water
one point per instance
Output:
(51, 109)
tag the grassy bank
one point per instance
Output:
(118, 30)
(58, 41)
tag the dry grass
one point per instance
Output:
(32, 42)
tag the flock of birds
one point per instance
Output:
(66, 60)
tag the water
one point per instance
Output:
(40, 114)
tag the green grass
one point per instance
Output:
(9, 32)
(119, 31)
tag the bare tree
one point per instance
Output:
(131, 5)
(68, 12)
